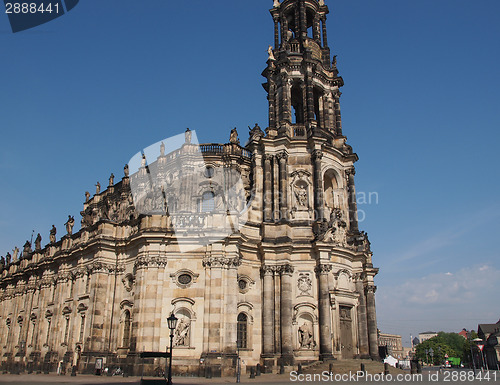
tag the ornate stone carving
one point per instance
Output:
(323, 268)
(128, 282)
(304, 284)
(221, 262)
(150, 261)
(306, 338)
(181, 335)
(285, 269)
(335, 230)
(370, 289)
(317, 155)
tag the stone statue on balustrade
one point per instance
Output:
(27, 248)
(69, 224)
(15, 254)
(38, 242)
(52, 235)
(187, 136)
(233, 138)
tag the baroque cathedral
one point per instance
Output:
(255, 249)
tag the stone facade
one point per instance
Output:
(293, 282)
(393, 343)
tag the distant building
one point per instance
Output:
(464, 333)
(426, 336)
(415, 341)
(490, 334)
(392, 343)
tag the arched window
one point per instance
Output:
(242, 332)
(297, 103)
(207, 202)
(332, 198)
(126, 328)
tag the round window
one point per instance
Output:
(185, 279)
(209, 172)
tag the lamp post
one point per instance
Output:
(238, 362)
(172, 324)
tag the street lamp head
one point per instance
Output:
(172, 321)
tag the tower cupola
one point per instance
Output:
(302, 81)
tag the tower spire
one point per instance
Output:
(302, 85)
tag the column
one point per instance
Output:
(351, 191)
(317, 155)
(325, 334)
(316, 30)
(338, 120)
(268, 194)
(285, 98)
(276, 32)
(323, 24)
(283, 199)
(286, 272)
(372, 321)
(303, 19)
(363, 341)
(271, 97)
(310, 99)
(267, 311)
(231, 306)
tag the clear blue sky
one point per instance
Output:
(83, 93)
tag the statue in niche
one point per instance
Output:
(187, 136)
(38, 242)
(97, 188)
(27, 248)
(182, 332)
(69, 224)
(111, 180)
(233, 138)
(87, 196)
(306, 340)
(52, 235)
(301, 196)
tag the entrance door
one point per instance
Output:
(346, 345)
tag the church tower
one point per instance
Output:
(302, 84)
(305, 170)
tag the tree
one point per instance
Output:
(439, 349)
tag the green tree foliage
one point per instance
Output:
(452, 344)
(439, 348)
